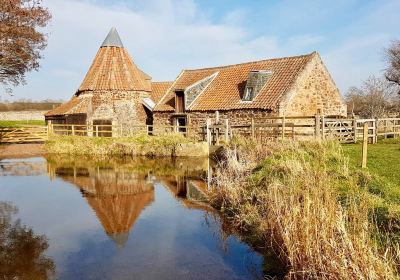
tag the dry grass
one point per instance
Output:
(141, 145)
(301, 200)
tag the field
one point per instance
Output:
(383, 165)
(383, 159)
(19, 123)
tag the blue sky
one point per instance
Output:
(165, 36)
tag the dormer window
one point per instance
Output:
(248, 95)
(256, 80)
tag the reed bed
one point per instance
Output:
(140, 145)
(302, 201)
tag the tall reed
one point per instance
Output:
(301, 200)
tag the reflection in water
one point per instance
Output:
(116, 196)
(21, 251)
(152, 209)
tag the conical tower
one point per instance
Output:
(112, 92)
(114, 70)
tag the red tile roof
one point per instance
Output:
(63, 108)
(113, 69)
(226, 89)
(76, 105)
(158, 90)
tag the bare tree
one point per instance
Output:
(22, 252)
(392, 58)
(375, 98)
(20, 38)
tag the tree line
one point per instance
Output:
(27, 105)
(378, 96)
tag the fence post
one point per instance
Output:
(252, 128)
(208, 131)
(323, 127)
(283, 128)
(317, 127)
(355, 129)
(73, 130)
(375, 131)
(97, 131)
(226, 130)
(364, 146)
(48, 128)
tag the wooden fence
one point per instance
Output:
(119, 130)
(303, 128)
(23, 134)
(296, 128)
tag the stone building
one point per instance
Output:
(116, 91)
(290, 86)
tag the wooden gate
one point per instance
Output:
(339, 129)
(23, 134)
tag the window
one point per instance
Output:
(248, 94)
(181, 123)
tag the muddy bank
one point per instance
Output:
(21, 150)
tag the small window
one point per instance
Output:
(248, 94)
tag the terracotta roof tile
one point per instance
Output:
(76, 105)
(64, 108)
(225, 91)
(113, 69)
(158, 90)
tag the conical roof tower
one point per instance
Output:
(114, 70)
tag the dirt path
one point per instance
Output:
(21, 150)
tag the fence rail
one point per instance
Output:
(23, 134)
(261, 129)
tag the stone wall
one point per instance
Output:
(198, 119)
(22, 115)
(121, 107)
(315, 91)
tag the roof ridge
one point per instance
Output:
(251, 62)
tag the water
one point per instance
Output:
(77, 218)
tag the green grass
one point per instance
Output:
(383, 164)
(19, 123)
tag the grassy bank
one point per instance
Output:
(305, 201)
(19, 123)
(383, 160)
(141, 145)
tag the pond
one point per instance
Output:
(67, 217)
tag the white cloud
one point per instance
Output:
(165, 36)
(162, 37)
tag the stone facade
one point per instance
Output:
(199, 118)
(121, 107)
(314, 91)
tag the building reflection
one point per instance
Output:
(118, 190)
